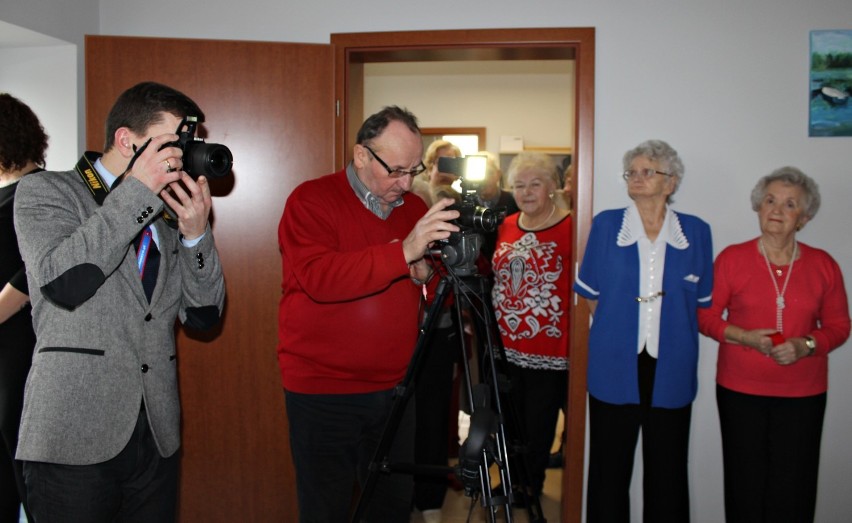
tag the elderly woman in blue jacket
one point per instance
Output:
(646, 271)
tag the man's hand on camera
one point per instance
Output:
(192, 208)
(420, 271)
(156, 168)
(433, 226)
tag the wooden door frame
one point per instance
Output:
(353, 50)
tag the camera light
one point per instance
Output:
(475, 168)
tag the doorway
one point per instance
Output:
(354, 50)
(234, 457)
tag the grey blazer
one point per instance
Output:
(101, 347)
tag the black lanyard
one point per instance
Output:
(99, 189)
(93, 180)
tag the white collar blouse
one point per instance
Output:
(652, 256)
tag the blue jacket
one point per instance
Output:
(610, 274)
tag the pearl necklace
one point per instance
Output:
(549, 216)
(779, 295)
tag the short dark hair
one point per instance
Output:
(376, 123)
(140, 107)
(22, 138)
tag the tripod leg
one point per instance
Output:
(402, 394)
(486, 444)
(494, 369)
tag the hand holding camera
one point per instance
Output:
(176, 166)
(190, 202)
(155, 163)
(434, 226)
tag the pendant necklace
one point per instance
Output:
(549, 216)
(779, 295)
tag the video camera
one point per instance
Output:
(212, 160)
(461, 249)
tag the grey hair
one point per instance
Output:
(790, 176)
(531, 160)
(662, 153)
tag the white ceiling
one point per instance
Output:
(15, 36)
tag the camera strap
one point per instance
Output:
(86, 169)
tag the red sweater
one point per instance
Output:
(348, 317)
(815, 304)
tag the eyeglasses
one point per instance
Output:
(644, 173)
(397, 173)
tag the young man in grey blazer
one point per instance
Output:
(108, 276)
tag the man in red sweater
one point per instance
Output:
(352, 246)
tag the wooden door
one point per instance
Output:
(272, 105)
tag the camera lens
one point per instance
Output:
(476, 217)
(210, 159)
(219, 161)
(485, 219)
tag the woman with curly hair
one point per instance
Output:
(647, 271)
(532, 305)
(779, 308)
(22, 147)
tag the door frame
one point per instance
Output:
(353, 50)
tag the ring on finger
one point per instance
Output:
(168, 166)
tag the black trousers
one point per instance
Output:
(613, 434)
(17, 340)
(770, 448)
(138, 485)
(433, 393)
(537, 396)
(333, 439)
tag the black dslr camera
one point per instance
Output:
(212, 160)
(471, 214)
(461, 249)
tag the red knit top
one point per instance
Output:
(815, 304)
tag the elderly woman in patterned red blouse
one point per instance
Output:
(531, 296)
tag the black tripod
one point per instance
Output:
(486, 444)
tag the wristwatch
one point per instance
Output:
(810, 343)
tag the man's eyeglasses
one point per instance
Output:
(644, 173)
(397, 173)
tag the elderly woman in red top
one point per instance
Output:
(531, 296)
(786, 310)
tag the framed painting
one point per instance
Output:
(830, 83)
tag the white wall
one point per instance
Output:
(34, 75)
(533, 99)
(724, 82)
(65, 21)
